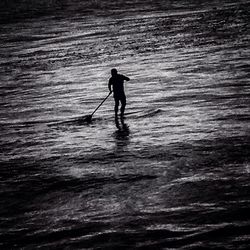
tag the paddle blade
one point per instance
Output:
(88, 118)
(85, 120)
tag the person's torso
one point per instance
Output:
(118, 84)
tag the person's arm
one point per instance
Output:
(109, 85)
(126, 78)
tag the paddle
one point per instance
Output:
(88, 118)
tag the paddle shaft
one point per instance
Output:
(101, 103)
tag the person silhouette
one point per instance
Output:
(117, 83)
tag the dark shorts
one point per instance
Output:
(120, 98)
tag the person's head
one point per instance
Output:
(113, 72)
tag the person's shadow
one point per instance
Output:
(121, 135)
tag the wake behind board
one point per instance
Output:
(82, 120)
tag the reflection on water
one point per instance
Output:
(121, 135)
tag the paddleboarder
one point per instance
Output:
(117, 83)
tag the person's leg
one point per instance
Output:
(116, 106)
(123, 102)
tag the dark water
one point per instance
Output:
(175, 175)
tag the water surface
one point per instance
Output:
(175, 175)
